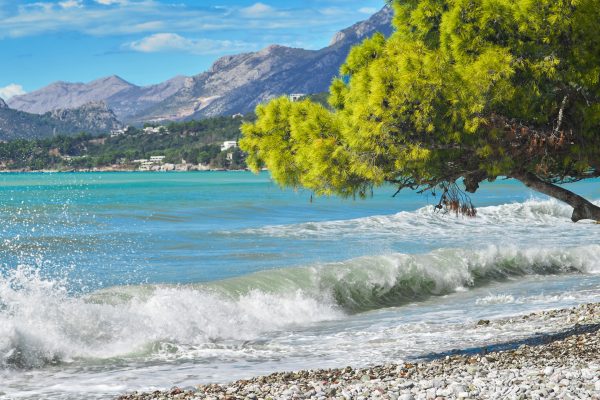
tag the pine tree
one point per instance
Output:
(463, 91)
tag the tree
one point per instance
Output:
(463, 91)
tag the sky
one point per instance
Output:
(149, 41)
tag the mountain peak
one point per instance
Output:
(272, 48)
(278, 49)
(60, 84)
(379, 22)
(111, 80)
(3, 104)
(64, 95)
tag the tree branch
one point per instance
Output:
(583, 209)
(561, 115)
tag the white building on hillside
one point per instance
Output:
(157, 159)
(296, 96)
(229, 145)
(117, 132)
(153, 130)
(146, 166)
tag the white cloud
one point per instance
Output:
(111, 2)
(32, 8)
(264, 22)
(257, 10)
(11, 90)
(132, 16)
(172, 42)
(160, 42)
(368, 10)
(331, 11)
(71, 4)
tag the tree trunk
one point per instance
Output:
(583, 209)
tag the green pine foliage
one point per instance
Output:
(472, 89)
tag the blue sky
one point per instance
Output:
(149, 41)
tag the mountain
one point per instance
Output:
(234, 84)
(135, 99)
(237, 84)
(91, 118)
(379, 22)
(64, 95)
(122, 97)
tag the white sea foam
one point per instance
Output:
(41, 323)
(516, 222)
(512, 299)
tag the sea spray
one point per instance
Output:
(42, 323)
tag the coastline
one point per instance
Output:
(562, 364)
(70, 171)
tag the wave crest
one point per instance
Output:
(41, 323)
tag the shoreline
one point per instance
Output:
(52, 171)
(563, 364)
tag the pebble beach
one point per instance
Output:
(561, 363)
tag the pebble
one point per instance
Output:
(559, 366)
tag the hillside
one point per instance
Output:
(92, 118)
(196, 142)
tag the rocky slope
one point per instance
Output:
(91, 118)
(135, 99)
(233, 84)
(121, 96)
(239, 83)
(379, 22)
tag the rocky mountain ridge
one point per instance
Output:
(122, 97)
(234, 84)
(379, 22)
(93, 118)
(237, 84)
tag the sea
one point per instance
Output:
(119, 282)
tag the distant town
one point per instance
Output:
(157, 163)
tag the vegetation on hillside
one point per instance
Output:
(463, 91)
(195, 142)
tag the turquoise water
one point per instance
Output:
(111, 282)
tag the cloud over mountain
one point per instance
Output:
(11, 90)
(173, 42)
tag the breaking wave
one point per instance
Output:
(41, 323)
(513, 222)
